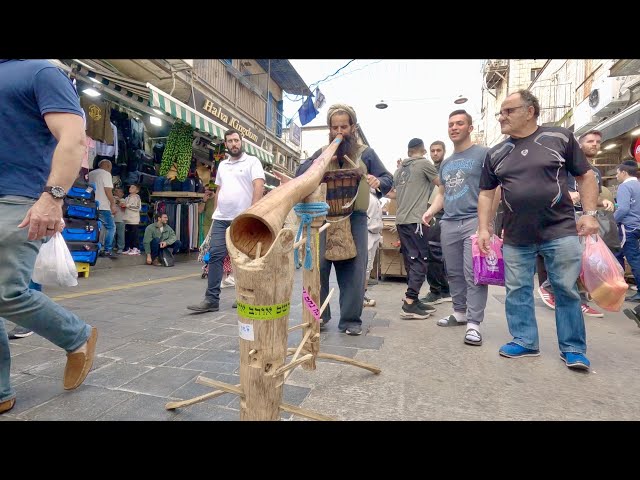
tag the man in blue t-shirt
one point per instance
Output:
(539, 219)
(459, 181)
(42, 142)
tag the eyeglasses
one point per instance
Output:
(508, 111)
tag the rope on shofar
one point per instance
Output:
(307, 212)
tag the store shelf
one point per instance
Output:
(177, 194)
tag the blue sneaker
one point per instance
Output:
(513, 350)
(575, 360)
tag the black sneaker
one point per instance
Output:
(324, 325)
(204, 306)
(413, 311)
(19, 332)
(426, 307)
(432, 298)
(353, 330)
(235, 304)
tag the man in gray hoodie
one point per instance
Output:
(413, 183)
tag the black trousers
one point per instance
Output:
(436, 271)
(414, 249)
(131, 238)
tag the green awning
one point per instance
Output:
(171, 106)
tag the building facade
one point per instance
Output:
(579, 94)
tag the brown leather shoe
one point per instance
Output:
(156, 262)
(7, 405)
(79, 363)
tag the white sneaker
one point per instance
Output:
(231, 281)
(225, 284)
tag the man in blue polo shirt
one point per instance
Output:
(42, 142)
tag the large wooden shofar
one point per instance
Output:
(261, 222)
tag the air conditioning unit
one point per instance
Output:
(583, 120)
(605, 98)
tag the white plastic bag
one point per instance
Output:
(54, 264)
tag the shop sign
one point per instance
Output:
(295, 132)
(226, 118)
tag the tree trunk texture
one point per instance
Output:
(263, 288)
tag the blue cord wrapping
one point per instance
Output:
(307, 212)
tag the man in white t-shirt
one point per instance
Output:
(240, 182)
(101, 176)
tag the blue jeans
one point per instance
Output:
(119, 235)
(349, 273)
(563, 258)
(217, 252)
(155, 247)
(21, 305)
(110, 228)
(631, 250)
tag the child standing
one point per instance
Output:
(132, 206)
(118, 194)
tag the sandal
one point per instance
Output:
(472, 337)
(450, 321)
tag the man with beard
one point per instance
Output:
(436, 274)
(240, 182)
(342, 119)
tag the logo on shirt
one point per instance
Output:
(404, 175)
(95, 112)
(524, 152)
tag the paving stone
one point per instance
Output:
(160, 381)
(193, 389)
(228, 330)
(362, 341)
(140, 408)
(115, 374)
(36, 392)
(134, 352)
(154, 334)
(221, 342)
(184, 357)
(84, 403)
(188, 340)
(206, 412)
(16, 349)
(32, 358)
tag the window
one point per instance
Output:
(534, 73)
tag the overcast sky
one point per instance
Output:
(419, 93)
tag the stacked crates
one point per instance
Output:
(82, 227)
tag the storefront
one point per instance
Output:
(620, 135)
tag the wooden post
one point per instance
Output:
(263, 288)
(311, 282)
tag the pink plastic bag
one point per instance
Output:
(489, 269)
(602, 274)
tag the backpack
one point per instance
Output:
(166, 258)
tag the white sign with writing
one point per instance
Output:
(245, 331)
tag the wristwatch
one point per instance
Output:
(56, 192)
(593, 213)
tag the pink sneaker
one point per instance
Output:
(591, 312)
(547, 298)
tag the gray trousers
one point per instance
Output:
(456, 248)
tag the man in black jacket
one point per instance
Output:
(342, 119)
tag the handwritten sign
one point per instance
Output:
(263, 312)
(245, 331)
(310, 304)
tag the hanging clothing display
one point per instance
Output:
(98, 116)
(184, 219)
